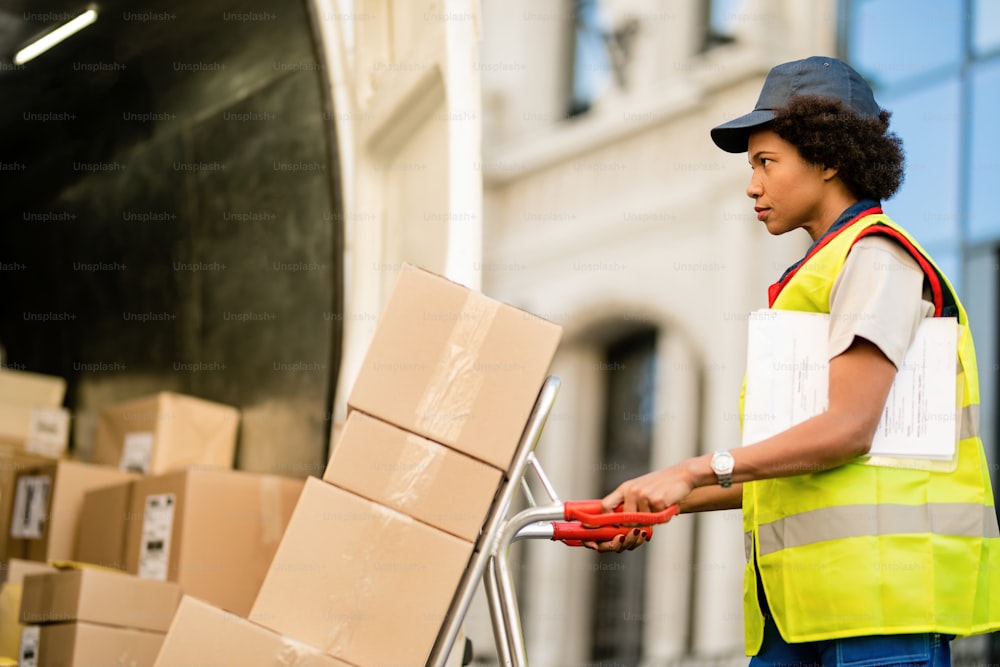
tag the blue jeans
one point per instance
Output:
(926, 650)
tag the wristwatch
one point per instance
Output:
(722, 466)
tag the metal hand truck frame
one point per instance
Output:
(568, 522)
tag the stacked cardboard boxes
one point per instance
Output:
(14, 570)
(383, 539)
(34, 429)
(83, 617)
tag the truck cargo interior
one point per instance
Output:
(172, 215)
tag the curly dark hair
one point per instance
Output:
(868, 157)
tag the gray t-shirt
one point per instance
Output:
(881, 296)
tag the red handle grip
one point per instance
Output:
(574, 533)
(590, 513)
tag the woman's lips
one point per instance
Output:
(761, 212)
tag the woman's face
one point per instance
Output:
(789, 192)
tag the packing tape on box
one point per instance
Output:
(455, 382)
(294, 653)
(416, 471)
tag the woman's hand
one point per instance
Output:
(653, 492)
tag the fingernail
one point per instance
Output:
(620, 539)
(636, 532)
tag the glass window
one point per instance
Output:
(592, 69)
(984, 162)
(928, 121)
(895, 40)
(620, 583)
(723, 17)
(986, 26)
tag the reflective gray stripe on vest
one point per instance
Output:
(834, 523)
(968, 419)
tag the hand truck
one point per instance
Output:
(570, 522)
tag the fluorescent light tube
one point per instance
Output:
(50, 39)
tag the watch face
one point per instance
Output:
(723, 462)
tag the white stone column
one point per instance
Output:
(669, 563)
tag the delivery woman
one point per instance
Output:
(847, 562)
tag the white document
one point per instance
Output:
(788, 375)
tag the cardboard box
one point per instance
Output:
(211, 530)
(360, 581)
(99, 596)
(10, 601)
(166, 432)
(455, 366)
(26, 388)
(37, 429)
(418, 477)
(202, 635)
(15, 570)
(87, 645)
(47, 502)
(12, 461)
(103, 526)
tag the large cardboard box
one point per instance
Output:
(87, 645)
(455, 366)
(12, 461)
(99, 596)
(46, 510)
(360, 581)
(418, 477)
(166, 432)
(202, 635)
(103, 526)
(213, 531)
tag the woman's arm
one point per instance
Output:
(710, 498)
(860, 380)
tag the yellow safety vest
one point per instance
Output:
(870, 550)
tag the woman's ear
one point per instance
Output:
(829, 172)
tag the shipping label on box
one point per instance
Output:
(455, 366)
(157, 529)
(28, 653)
(31, 506)
(137, 451)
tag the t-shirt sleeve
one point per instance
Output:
(880, 296)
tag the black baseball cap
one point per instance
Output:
(818, 75)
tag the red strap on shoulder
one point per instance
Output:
(937, 291)
(774, 290)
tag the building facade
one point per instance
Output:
(608, 209)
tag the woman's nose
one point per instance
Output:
(754, 189)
